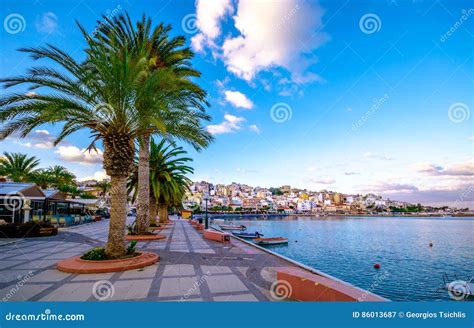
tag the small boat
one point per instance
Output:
(232, 227)
(247, 235)
(270, 241)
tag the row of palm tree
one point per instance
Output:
(135, 82)
(20, 167)
(168, 180)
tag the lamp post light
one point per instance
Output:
(206, 220)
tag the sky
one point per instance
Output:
(349, 96)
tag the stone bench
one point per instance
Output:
(307, 286)
(216, 235)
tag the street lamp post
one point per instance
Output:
(206, 220)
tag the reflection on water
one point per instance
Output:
(348, 247)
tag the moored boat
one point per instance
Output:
(248, 235)
(232, 227)
(270, 241)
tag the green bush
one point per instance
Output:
(95, 254)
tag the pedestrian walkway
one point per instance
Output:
(190, 269)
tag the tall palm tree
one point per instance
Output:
(18, 167)
(182, 100)
(98, 94)
(168, 180)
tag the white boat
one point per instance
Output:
(270, 241)
(461, 290)
(232, 227)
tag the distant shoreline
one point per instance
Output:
(238, 215)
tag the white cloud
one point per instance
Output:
(455, 169)
(230, 124)
(37, 139)
(99, 176)
(238, 99)
(323, 180)
(274, 34)
(271, 35)
(389, 187)
(81, 156)
(209, 14)
(378, 156)
(47, 23)
(254, 128)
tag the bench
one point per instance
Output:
(307, 286)
(193, 223)
(200, 227)
(216, 235)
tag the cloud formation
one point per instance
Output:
(47, 23)
(82, 156)
(456, 169)
(230, 124)
(238, 99)
(271, 35)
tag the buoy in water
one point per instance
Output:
(377, 265)
(431, 244)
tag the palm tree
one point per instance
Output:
(98, 94)
(60, 176)
(168, 179)
(104, 187)
(42, 178)
(18, 167)
(183, 101)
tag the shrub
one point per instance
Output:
(27, 229)
(131, 247)
(95, 254)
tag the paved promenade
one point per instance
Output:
(190, 269)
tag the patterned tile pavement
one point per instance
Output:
(190, 269)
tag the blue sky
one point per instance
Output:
(367, 96)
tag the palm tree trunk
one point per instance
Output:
(118, 214)
(163, 213)
(153, 208)
(143, 200)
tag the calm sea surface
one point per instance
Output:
(348, 247)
